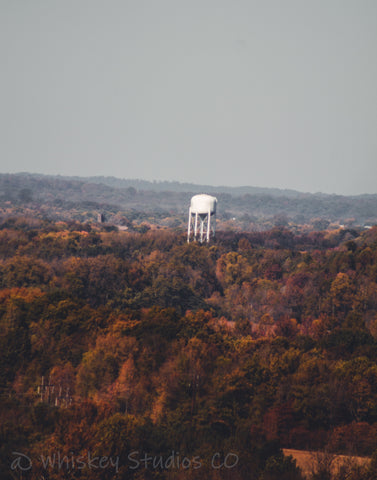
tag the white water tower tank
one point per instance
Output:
(202, 215)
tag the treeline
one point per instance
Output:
(122, 345)
(252, 208)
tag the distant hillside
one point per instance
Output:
(165, 186)
(253, 207)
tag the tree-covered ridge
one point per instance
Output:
(165, 204)
(148, 344)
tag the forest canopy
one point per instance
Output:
(116, 342)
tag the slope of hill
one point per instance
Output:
(131, 345)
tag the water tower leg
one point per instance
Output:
(189, 226)
(214, 225)
(208, 225)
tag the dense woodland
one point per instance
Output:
(116, 343)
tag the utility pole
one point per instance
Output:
(46, 390)
(63, 399)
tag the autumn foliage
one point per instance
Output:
(115, 342)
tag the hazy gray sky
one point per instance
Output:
(233, 92)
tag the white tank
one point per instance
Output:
(202, 217)
(203, 204)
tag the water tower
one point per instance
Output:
(202, 217)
